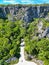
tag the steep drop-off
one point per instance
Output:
(26, 13)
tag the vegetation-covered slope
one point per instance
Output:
(10, 36)
(35, 45)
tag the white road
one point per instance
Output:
(22, 60)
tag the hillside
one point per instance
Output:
(30, 23)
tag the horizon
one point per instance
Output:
(24, 1)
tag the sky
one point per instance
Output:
(23, 1)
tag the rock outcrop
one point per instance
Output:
(26, 13)
(46, 33)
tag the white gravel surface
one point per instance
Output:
(22, 60)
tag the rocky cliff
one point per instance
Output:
(26, 13)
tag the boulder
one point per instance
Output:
(11, 59)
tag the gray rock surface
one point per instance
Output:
(11, 59)
(2, 13)
(46, 32)
(26, 13)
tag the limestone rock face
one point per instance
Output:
(28, 16)
(26, 13)
(40, 25)
(2, 13)
(46, 32)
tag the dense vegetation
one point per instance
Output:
(10, 39)
(36, 46)
(10, 36)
